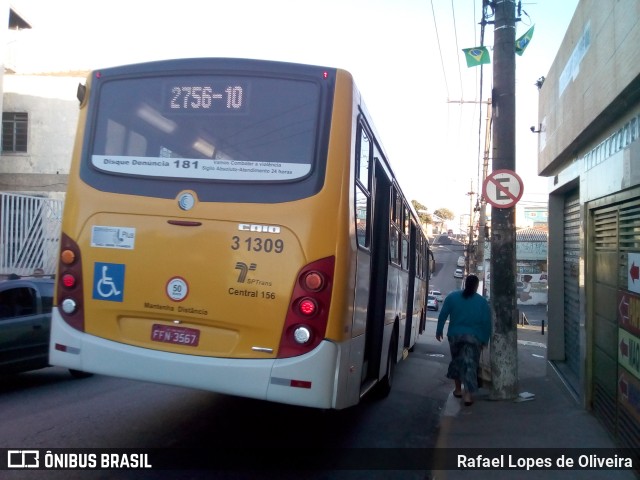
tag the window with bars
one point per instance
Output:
(14, 132)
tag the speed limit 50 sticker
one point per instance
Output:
(177, 289)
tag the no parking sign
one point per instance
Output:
(503, 188)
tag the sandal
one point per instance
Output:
(457, 395)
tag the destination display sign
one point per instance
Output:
(206, 97)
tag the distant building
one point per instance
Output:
(537, 216)
(531, 266)
(39, 119)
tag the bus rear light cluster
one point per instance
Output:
(306, 322)
(69, 295)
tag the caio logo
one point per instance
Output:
(251, 227)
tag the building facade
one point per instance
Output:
(39, 120)
(589, 114)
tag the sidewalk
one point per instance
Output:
(551, 418)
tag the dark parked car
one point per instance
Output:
(25, 324)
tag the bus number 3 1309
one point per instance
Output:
(258, 244)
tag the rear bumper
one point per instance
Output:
(307, 380)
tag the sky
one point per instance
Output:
(405, 55)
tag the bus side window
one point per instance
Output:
(362, 217)
(394, 227)
(364, 158)
(363, 195)
(394, 244)
(405, 238)
(405, 253)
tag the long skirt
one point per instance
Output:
(465, 359)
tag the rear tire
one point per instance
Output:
(79, 373)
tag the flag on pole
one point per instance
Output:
(476, 56)
(523, 41)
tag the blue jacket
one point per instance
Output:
(470, 316)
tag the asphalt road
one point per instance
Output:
(48, 409)
(445, 252)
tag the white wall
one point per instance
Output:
(51, 104)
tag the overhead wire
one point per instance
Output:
(455, 32)
(482, 109)
(479, 90)
(444, 73)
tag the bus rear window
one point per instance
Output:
(207, 128)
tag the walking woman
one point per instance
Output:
(469, 330)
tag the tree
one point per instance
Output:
(422, 212)
(445, 214)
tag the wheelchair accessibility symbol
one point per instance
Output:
(108, 281)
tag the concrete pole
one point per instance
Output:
(482, 222)
(470, 263)
(504, 346)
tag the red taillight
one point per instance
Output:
(69, 296)
(306, 322)
(307, 306)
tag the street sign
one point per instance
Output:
(629, 312)
(503, 188)
(629, 393)
(629, 352)
(633, 272)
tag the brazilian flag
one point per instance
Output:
(476, 56)
(523, 41)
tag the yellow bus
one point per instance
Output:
(234, 225)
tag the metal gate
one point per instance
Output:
(571, 250)
(603, 357)
(29, 234)
(616, 235)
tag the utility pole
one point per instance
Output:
(482, 222)
(504, 346)
(478, 257)
(469, 261)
